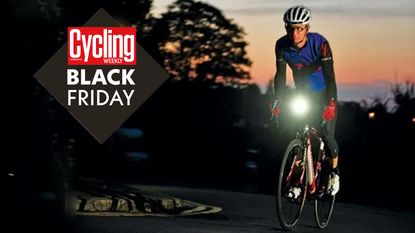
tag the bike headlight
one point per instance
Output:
(299, 105)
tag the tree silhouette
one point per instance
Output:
(403, 93)
(404, 97)
(199, 43)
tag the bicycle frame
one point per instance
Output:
(305, 137)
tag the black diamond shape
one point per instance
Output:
(102, 121)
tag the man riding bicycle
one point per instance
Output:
(309, 56)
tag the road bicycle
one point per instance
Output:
(304, 175)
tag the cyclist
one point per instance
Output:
(310, 58)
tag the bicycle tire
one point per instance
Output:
(289, 219)
(324, 204)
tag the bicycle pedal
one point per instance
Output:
(294, 193)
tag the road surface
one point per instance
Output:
(245, 212)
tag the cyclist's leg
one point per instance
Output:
(331, 140)
(334, 180)
(332, 143)
(318, 107)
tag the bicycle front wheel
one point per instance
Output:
(324, 203)
(292, 188)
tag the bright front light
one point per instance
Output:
(299, 106)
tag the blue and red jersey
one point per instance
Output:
(312, 65)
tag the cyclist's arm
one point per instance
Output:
(328, 72)
(280, 76)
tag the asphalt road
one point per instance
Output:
(245, 212)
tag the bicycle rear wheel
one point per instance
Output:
(324, 203)
(292, 188)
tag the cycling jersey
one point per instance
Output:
(312, 66)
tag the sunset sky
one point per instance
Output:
(372, 40)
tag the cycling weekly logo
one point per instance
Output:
(101, 46)
(101, 76)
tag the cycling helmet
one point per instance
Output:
(297, 15)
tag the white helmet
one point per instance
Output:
(297, 15)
